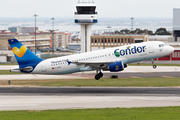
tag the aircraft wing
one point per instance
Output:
(93, 64)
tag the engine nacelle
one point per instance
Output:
(125, 65)
(116, 66)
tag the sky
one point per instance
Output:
(105, 8)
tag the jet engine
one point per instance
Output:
(116, 66)
(125, 65)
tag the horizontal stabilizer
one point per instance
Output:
(17, 69)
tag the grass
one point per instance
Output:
(123, 82)
(7, 72)
(8, 64)
(154, 113)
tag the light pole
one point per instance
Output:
(24, 34)
(132, 23)
(53, 33)
(35, 15)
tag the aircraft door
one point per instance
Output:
(43, 67)
(151, 48)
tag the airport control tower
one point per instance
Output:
(85, 16)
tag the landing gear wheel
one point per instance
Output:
(97, 77)
(154, 66)
(101, 74)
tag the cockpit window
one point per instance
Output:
(161, 45)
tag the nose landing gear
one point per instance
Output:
(154, 66)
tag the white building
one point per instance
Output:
(176, 23)
(23, 30)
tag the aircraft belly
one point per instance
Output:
(64, 69)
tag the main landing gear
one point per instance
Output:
(98, 75)
(154, 66)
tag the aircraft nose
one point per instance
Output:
(171, 49)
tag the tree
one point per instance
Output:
(149, 32)
(162, 31)
(139, 31)
(117, 32)
(126, 31)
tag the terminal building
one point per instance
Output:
(43, 40)
(107, 41)
(23, 30)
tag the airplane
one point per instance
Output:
(112, 59)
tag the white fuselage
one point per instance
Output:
(127, 54)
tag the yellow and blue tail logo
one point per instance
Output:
(23, 55)
(19, 52)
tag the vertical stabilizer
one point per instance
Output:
(22, 54)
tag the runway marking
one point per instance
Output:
(135, 77)
(167, 77)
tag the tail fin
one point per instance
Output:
(22, 54)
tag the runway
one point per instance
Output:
(44, 98)
(133, 75)
(129, 72)
(91, 91)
